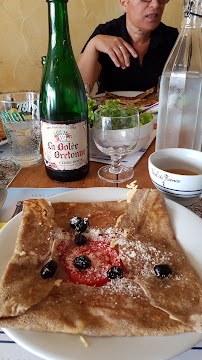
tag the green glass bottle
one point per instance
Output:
(63, 103)
(43, 61)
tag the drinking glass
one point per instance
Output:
(19, 113)
(116, 133)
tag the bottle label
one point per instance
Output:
(64, 146)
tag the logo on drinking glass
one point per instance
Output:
(62, 135)
(20, 112)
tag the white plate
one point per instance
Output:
(51, 346)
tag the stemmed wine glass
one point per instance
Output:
(116, 133)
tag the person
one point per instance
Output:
(128, 53)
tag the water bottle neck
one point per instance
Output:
(192, 11)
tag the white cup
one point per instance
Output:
(181, 188)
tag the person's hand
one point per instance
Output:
(118, 49)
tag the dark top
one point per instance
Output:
(136, 77)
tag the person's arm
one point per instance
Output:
(88, 64)
(118, 50)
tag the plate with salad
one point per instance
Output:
(146, 116)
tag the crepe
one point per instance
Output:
(120, 307)
(151, 241)
(22, 286)
(147, 98)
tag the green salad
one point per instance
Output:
(145, 117)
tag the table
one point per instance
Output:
(35, 177)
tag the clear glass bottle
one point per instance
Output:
(63, 103)
(179, 121)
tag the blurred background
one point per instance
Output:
(24, 34)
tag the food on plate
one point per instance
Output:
(147, 98)
(180, 295)
(100, 260)
(145, 117)
(2, 132)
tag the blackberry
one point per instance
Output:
(80, 239)
(49, 269)
(115, 272)
(162, 270)
(82, 262)
(79, 224)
